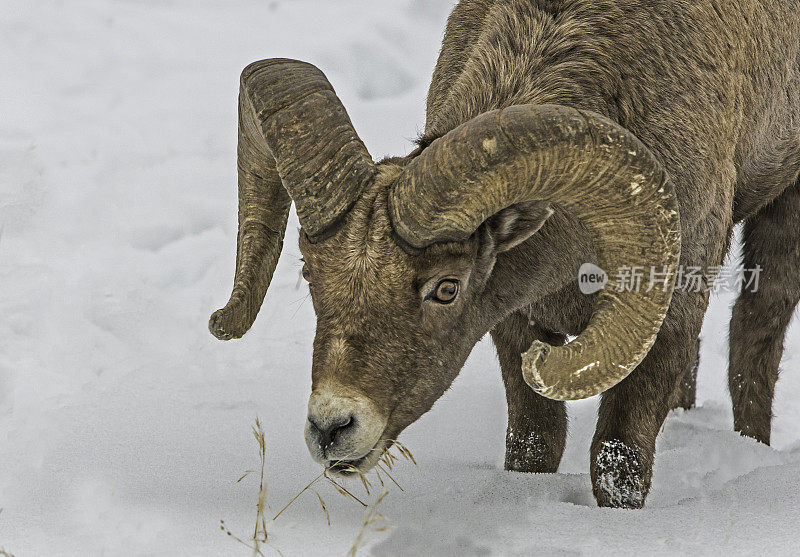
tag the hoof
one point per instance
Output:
(619, 477)
(529, 453)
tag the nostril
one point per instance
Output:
(327, 433)
(345, 423)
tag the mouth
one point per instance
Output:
(349, 468)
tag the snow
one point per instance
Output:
(124, 425)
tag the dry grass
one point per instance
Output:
(372, 521)
(260, 536)
(3, 552)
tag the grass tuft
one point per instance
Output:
(260, 536)
(372, 521)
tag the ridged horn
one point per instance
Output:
(296, 143)
(591, 167)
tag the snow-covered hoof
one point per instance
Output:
(529, 452)
(618, 477)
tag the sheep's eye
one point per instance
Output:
(446, 291)
(306, 273)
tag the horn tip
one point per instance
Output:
(221, 325)
(531, 360)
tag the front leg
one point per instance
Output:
(537, 426)
(686, 392)
(632, 412)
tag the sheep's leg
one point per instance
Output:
(686, 391)
(761, 315)
(537, 426)
(632, 412)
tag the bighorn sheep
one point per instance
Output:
(617, 132)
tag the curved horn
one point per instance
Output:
(297, 143)
(588, 165)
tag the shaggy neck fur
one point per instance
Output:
(528, 53)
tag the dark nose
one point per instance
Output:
(326, 432)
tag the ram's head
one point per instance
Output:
(400, 254)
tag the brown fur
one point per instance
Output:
(712, 87)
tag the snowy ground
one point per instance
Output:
(124, 425)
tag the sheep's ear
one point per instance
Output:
(513, 225)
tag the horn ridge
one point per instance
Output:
(591, 167)
(296, 143)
